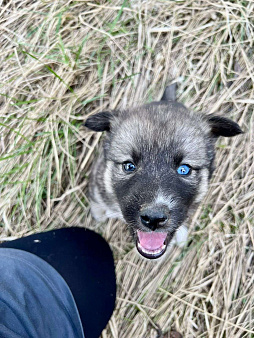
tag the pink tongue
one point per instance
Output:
(151, 240)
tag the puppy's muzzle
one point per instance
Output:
(153, 239)
(153, 218)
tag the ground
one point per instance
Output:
(63, 60)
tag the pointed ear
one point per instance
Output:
(221, 126)
(99, 122)
(169, 93)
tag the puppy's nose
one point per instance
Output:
(153, 218)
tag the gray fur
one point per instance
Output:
(158, 138)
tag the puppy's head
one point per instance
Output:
(158, 162)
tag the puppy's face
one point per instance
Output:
(158, 162)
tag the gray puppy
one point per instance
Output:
(155, 168)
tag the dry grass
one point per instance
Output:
(62, 60)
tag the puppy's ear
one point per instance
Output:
(169, 93)
(99, 122)
(221, 126)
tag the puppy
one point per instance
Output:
(155, 168)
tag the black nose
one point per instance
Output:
(153, 218)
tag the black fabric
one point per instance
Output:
(35, 301)
(85, 261)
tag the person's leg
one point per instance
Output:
(35, 301)
(85, 261)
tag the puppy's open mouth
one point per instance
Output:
(151, 245)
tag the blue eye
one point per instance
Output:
(184, 170)
(129, 167)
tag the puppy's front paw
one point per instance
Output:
(181, 236)
(98, 213)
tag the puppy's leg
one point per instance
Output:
(98, 213)
(181, 236)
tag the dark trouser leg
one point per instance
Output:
(85, 261)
